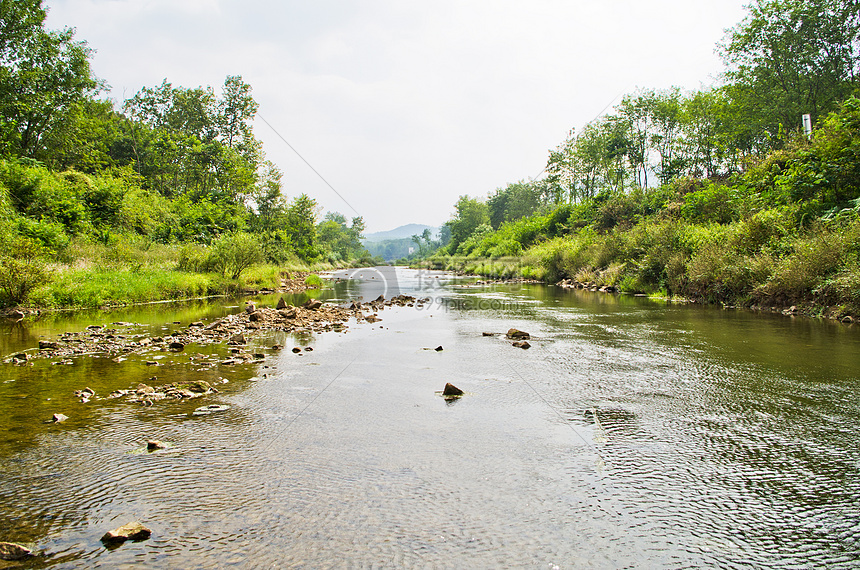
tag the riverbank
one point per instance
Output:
(829, 293)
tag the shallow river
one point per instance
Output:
(632, 434)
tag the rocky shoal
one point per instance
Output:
(119, 339)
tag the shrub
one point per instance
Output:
(22, 269)
(232, 254)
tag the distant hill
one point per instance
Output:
(406, 231)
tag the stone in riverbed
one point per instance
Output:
(281, 304)
(177, 346)
(296, 349)
(517, 334)
(312, 304)
(255, 316)
(238, 339)
(57, 418)
(12, 551)
(154, 444)
(48, 345)
(130, 531)
(451, 390)
(521, 344)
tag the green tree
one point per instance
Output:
(301, 226)
(788, 58)
(471, 213)
(43, 75)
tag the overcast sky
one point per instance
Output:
(402, 106)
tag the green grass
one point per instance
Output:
(78, 288)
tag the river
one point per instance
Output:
(632, 434)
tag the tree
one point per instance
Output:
(788, 58)
(43, 75)
(471, 214)
(236, 110)
(301, 226)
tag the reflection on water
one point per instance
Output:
(633, 433)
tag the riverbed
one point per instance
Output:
(632, 433)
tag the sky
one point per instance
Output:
(403, 106)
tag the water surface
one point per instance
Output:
(632, 433)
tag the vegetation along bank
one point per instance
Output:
(167, 196)
(716, 196)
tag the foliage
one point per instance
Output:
(232, 254)
(22, 268)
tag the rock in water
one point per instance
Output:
(12, 551)
(154, 444)
(281, 304)
(238, 338)
(177, 346)
(521, 344)
(439, 348)
(488, 334)
(59, 418)
(451, 390)
(517, 334)
(48, 345)
(312, 304)
(130, 531)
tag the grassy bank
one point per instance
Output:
(765, 260)
(89, 275)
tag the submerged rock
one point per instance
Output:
(210, 409)
(12, 551)
(130, 531)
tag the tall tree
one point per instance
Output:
(43, 75)
(788, 58)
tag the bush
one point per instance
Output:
(232, 254)
(22, 269)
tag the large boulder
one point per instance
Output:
(516, 334)
(130, 531)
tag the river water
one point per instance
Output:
(632, 434)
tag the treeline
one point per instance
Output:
(716, 195)
(172, 166)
